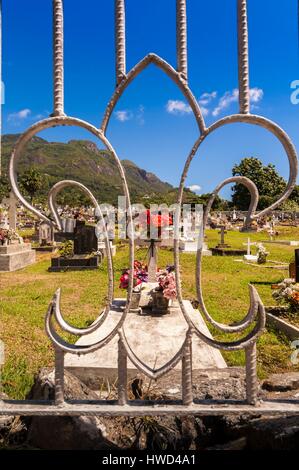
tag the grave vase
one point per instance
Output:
(135, 301)
(160, 305)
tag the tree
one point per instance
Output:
(294, 197)
(32, 181)
(4, 187)
(269, 183)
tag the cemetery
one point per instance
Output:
(113, 317)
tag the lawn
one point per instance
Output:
(25, 296)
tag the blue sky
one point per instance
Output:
(152, 125)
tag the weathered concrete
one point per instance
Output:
(155, 339)
(291, 331)
(14, 257)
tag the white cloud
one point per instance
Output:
(229, 97)
(206, 98)
(19, 116)
(181, 107)
(194, 188)
(226, 100)
(256, 94)
(178, 107)
(204, 111)
(123, 115)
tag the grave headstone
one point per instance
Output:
(85, 240)
(45, 234)
(85, 243)
(222, 234)
(249, 256)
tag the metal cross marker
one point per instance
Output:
(253, 323)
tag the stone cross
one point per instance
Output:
(249, 245)
(271, 232)
(222, 233)
(11, 202)
(152, 262)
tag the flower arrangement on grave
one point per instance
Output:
(140, 276)
(157, 220)
(67, 249)
(167, 284)
(7, 236)
(288, 292)
(166, 292)
(262, 254)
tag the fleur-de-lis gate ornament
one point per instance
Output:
(254, 320)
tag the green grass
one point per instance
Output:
(25, 296)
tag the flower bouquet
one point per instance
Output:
(288, 292)
(166, 292)
(140, 276)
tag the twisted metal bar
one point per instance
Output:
(1, 85)
(251, 375)
(181, 32)
(243, 62)
(120, 40)
(187, 394)
(122, 373)
(59, 377)
(58, 59)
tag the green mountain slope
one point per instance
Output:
(81, 160)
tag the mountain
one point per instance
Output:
(83, 161)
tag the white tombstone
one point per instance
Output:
(45, 233)
(249, 256)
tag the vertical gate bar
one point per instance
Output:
(59, 376)
(58, 59)
(120, 40)
(251, 375)
(181, 33)
(187, 394)
(122, 374)
(243, 62)
(1, 86)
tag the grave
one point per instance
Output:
(14, 253)
(190, 245)
(164, 334)
(16, 256)
(102, 248)
(223, 249)
(249, 256)
(45, 238)
(85, 256)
